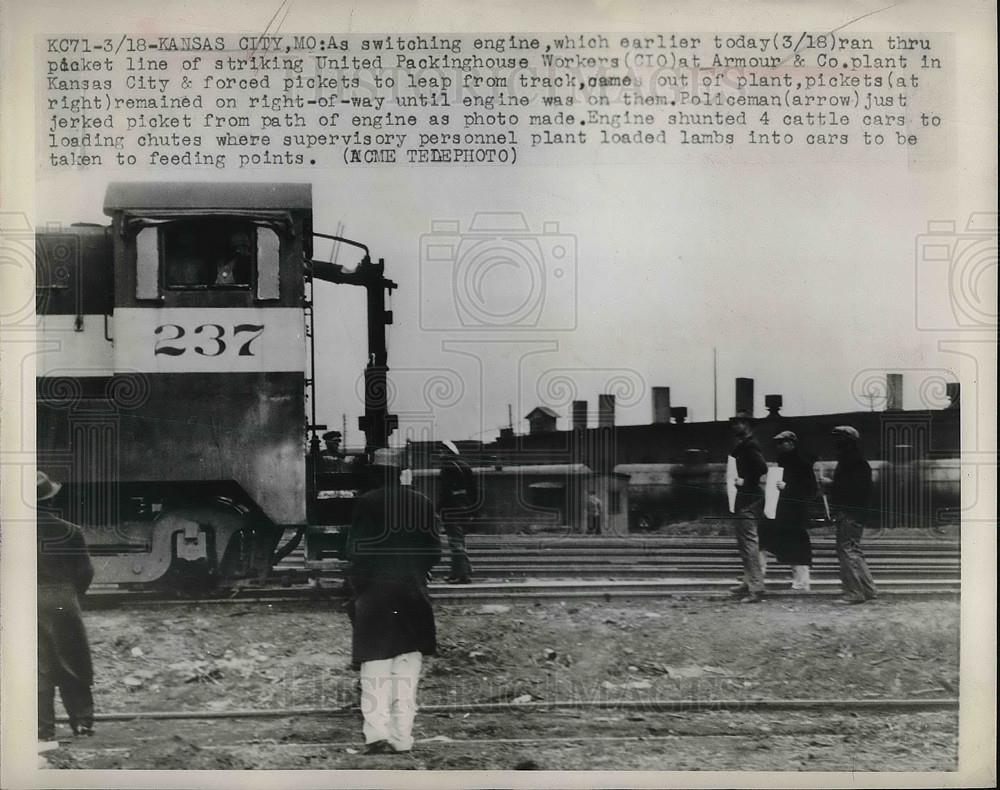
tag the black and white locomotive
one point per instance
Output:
(174, 369)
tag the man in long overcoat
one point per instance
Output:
(64, 574)
(787, 537)
(392, 543)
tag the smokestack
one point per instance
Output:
(773, 404)
(680, 413)
(744, 395)
(661, 405)
(579, 415)
(894, 392)
(953, 391)
(605, 411)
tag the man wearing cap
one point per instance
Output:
(456, 498)
(332, 459)
(786, 537)
(392, 543)
(749, 506)
(849, 496)
(64, 574)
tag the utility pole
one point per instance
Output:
(715, 384)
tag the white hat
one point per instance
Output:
(45, 488)
(846, 430)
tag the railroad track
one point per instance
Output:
(500, 558)
(597, 568)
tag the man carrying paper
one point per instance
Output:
(786, 537)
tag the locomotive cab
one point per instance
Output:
(185, 448)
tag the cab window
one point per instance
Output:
(209, 254)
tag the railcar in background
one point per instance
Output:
(175, 367)
(919, 494)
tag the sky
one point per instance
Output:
(812, 292)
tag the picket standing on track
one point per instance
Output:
(786, 537)
(392, 543)
(749, 505)
(850, 492)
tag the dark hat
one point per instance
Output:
(846, 430)
(786, 436)
(45, 488)
(743, 416)
(332, 435)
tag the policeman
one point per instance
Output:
(64, 574)
(457, 495)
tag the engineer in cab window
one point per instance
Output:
(234, 267)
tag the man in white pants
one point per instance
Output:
(392, 543)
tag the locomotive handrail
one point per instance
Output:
(353, 243)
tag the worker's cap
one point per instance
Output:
(46, 488)
(786, 436)
(846, 430)
(741, 416)
(388, 457)
(331, 435)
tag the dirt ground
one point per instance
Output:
(219, 657)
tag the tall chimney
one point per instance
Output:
(579, 415)
(661, 405)
(894, 392)
(605, 411)
(953, 391)
(744, 395)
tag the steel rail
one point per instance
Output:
(531, 590)
(652, 706)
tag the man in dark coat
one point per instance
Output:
(64, 574)
(786, 537)
(332, 459)
(595, 510)
(457, 496)
(392, 543)
(749, 507)
(850, 493)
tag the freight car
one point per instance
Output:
(175, 364)
(924, 494)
